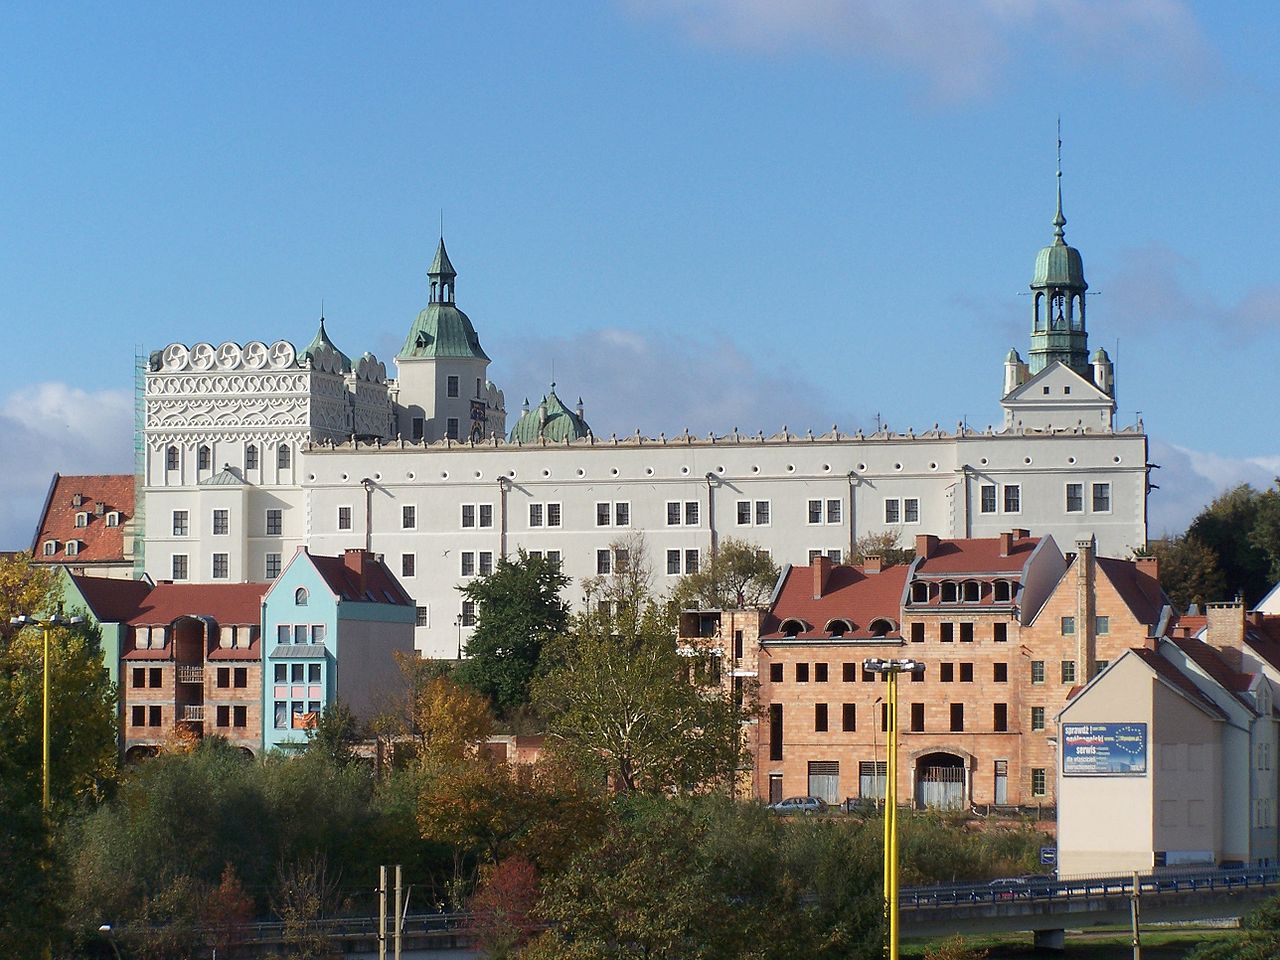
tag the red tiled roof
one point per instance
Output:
(1264, 638)
(1141, 593)
(99, 543)
(251, 652)
(1176, 678)
(849, 595)
(226, 603)
(977, 555)
(1210, 661)
(111, 600)
(379, 586)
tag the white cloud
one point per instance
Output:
(665, 383)
(55, 427)
(959, 50)
(1190, 479)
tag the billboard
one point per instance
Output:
(1104, 749)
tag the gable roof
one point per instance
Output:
(99, 543)
(111, 600)
(1140, 591)
(978, 555)
(1032, 392)
(225, 603)
(343, 577)
(1167, 671)
(849, 594)
(1210, 661)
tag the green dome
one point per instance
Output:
(1059, 265)
(442, 330)
(1013, 356)
(549, 420)
(321, 342)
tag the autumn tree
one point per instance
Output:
(449, 720)
(622, 701)
(737, 575)
(518, 609)
(628, 586)
(25, 588)
(883, 545)
(1189, 571)
(226, 912)
(501, 910)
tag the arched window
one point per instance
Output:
(171, 458)
(50, 547)
(919, 592)
(839, 627)
(251, 457)
(82, 519)
(204, 458)
(949, 592)
(73, 548)
(1003, 593)
(881, 627)
(300, 597)
(972, 591)
(282, 456)
(792, 627)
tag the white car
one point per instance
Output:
(799, 805)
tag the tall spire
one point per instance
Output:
(443, 276)
(1059, 221)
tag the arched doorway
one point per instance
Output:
(941, 783)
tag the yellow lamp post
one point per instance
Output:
(47, 623)
(890, 669)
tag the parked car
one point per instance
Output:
(1009, 888)
(863, 805)
(799, 805)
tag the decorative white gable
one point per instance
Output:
(1058, 399)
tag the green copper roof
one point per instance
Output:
(550, 420)
(440, 266)
(321, 340)
(223, 478)
(1013, 356)
(1059, 265)
(442, 330)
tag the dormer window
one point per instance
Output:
(792, 627)
(950, 592)
(839, 627)
(300, 597)
(50, 547)
(881, 627)
(73, 548)
(1003, 591)
(82, 519)
(113, 518)
(919, 592)
(972, 591)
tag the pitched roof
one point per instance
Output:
(1141, 593)
(976, 555)
(99, 543)
(550, 420)
(1169, 673)
(1210, 661)
(111, 600)
(226, 603)
(849, 594)
(343, 578)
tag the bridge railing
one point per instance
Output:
(1081, 887)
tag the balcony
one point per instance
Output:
(193, 713)
(188, 674)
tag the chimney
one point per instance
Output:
(1020, 533)
(872, 563)
(926, 545)
(1006, 544)
(1086, 583)
(821, 573)
(356, 561)
(1224, 631)
(1150, 566)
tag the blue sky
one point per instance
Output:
(710, 214)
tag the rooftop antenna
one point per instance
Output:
(442, 220)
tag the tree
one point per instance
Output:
(335, 734)
(25, 588)
(628, 585)
(739, 574)
(304, 895)
(501, 909)
(449, 720)
(1230, 527)
(227, 912)
(621, 701)
(883, 545)
(1189, 571)
(519, 608)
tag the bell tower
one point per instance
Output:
(1058, 301)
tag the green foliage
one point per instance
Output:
(937, 849)
(335, 734)
(738, 575)
(1189, 571)
(623, 702)
(954, 948)
(519, 608)
(883, 545)
(1259, 940)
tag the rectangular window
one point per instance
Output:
(451, 387)
(849, 718)
(181, 526)
(275, 522)
(313, 673)
(553, 514)
(946, 672)
(418, 429)
(691, 561)
(691, 513)
(344, 518)
(1037, 718)
(819, 673)
(988, 501)
(407, 564)
(171, 459)
(775, 731)
(282, 715)
(180, 568)
(486, 514)
(553, 556)
(422, 617)
(1102, 498)
(224, 716)
(834, 510)
(849, 673)
(893, 511)
(155, 677)
(155, 716)
(408, 517)
(604, 563)
(282, 457)
(486, 562)
(220, 565)
(911, 510)
(917, 718)
(1000, 672)
(1038, 781)
(282, 673)
(1101, 665)
(673, 563)
(468, 515)
(1012, 498)
(917, 633)
(299, 633)
(137, 716)
(802, 673)
(966, 673)
(1068, 626)
(467, 563)
(535, 514)
(1068, 671)
(622, 514)
(1075, 498)
(1000, 632)
(957, 718)
(284, 633)
(1037, 671)
(1102, 626)
(673, 513)
(221, 522)
(815, 511)
(762, 513)
(240, 716)
(317, 632)
(820, 718)
(451, 428)
(139, 677)
(1000, 717)
(966, 633)
(946, 632)
(603, 514)
(775, 673)
(744, 513)
(224, 677)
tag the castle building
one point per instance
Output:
(254, 451)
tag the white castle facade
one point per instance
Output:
(254, 451)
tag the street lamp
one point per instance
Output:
(57, 620)
(457, 622)
(105, 930)
(890, 669)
